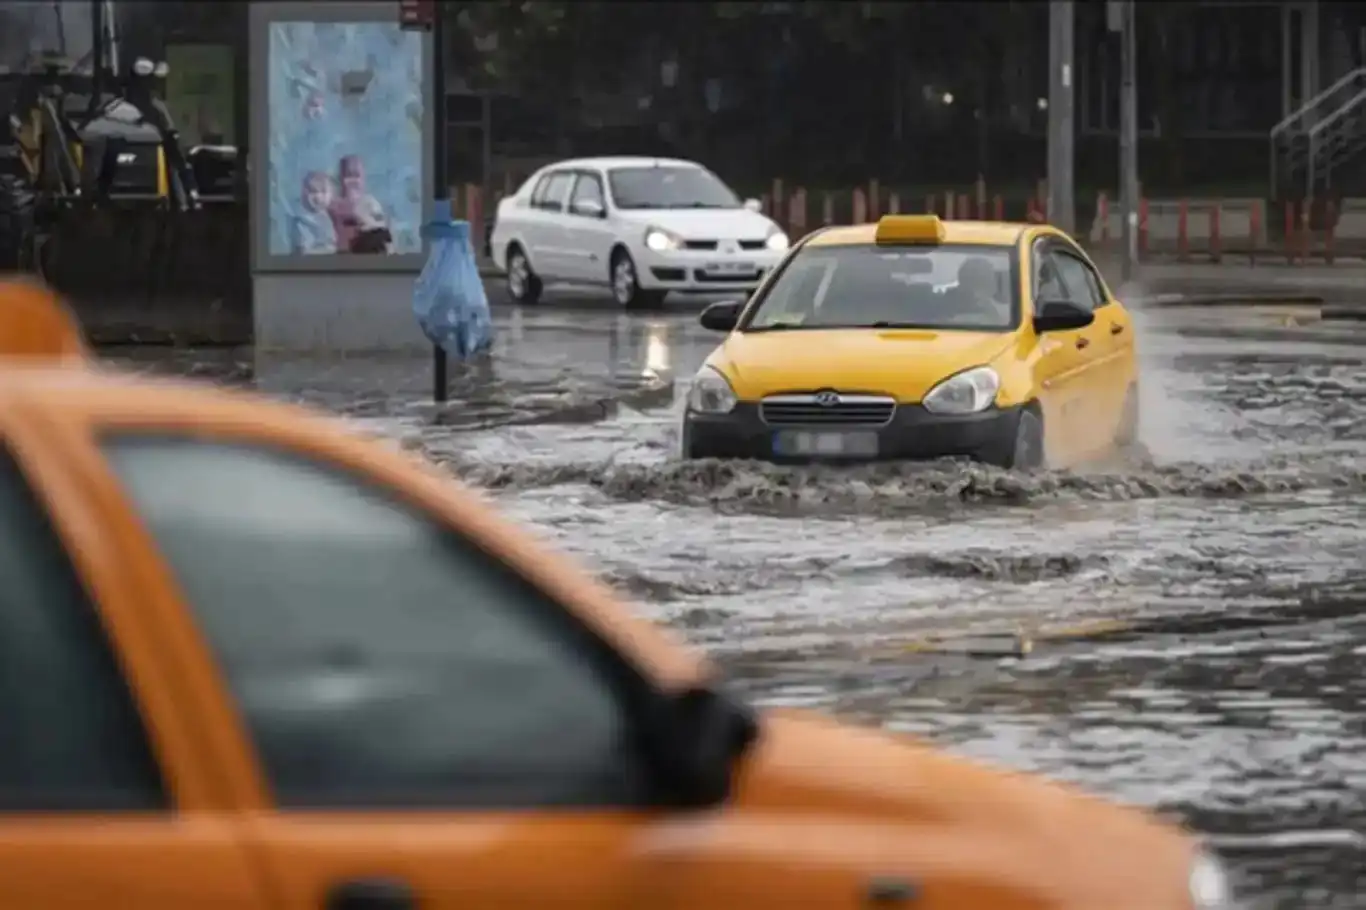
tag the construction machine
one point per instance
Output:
(82, 128)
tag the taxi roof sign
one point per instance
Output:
(34, 322)
(909, 229)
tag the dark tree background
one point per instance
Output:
(921, 95)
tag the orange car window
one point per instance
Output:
(70, 735)
(378, 659)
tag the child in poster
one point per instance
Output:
(313, 229)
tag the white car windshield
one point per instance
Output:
(943, 287)
(669, 187)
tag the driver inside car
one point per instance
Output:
(977, 294)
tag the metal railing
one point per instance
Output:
(1335, 139)
(1296, 128)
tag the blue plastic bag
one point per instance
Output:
(449, 299)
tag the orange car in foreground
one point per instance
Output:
(251, 661)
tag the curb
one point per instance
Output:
(1023, 643)
(1343, 314)
(597, 410)
(1163, 301)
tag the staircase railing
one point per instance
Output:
(1334, 139)
(1304, 118)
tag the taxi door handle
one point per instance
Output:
(370, 894)
(1116, 328)
(1083, 342)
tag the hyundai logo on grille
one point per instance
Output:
(827, 399)
(126, 158)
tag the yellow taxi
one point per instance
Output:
(920, 338)
(249, 661)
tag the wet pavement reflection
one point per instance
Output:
(1225, 564)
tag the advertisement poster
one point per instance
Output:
(199, 92)
(346, 146)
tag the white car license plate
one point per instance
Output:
(826, 444)
(729, 268)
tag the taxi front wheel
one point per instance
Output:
(1026, 450)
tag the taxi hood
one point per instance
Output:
(903, 363)
(954, 821)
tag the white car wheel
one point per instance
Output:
(624, 285)
(523, 284)
(626, 290)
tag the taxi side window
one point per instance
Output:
(379, 659)
(1048, 283)
(1081, 284)
(71, 739)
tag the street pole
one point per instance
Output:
(1128, 137)
(441, 386)
(1061, 134)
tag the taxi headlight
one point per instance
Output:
(965, 393)
(1209, 884)
(660, 240)
(710, 393)
(777, 241)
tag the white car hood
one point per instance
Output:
(703, 224)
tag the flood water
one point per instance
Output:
(1228, 689)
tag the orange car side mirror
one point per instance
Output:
(701, 734)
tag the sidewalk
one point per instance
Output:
(1342, 283)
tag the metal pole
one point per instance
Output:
(1128, 138)
(1061, 134)
(441, 387)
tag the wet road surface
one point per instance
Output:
(1231, 554)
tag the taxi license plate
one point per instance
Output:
(729, 268)
(825, 444)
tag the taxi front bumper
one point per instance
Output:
(913, 433)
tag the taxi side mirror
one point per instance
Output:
(1061, 316)
(753, 205)
(722, 316)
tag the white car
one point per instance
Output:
(640, 226)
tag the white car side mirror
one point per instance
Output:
(589, 208)
(753, 205)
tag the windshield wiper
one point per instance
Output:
(700, 205)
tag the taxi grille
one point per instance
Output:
(819, 410)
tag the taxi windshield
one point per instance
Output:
(969, 287)
(669, 187)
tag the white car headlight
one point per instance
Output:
(143, 67)
(965, 393)
(660, 240)
(777, 241)
(710, 393)
(1209, 884)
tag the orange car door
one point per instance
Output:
(101, 803)
(424, 728)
